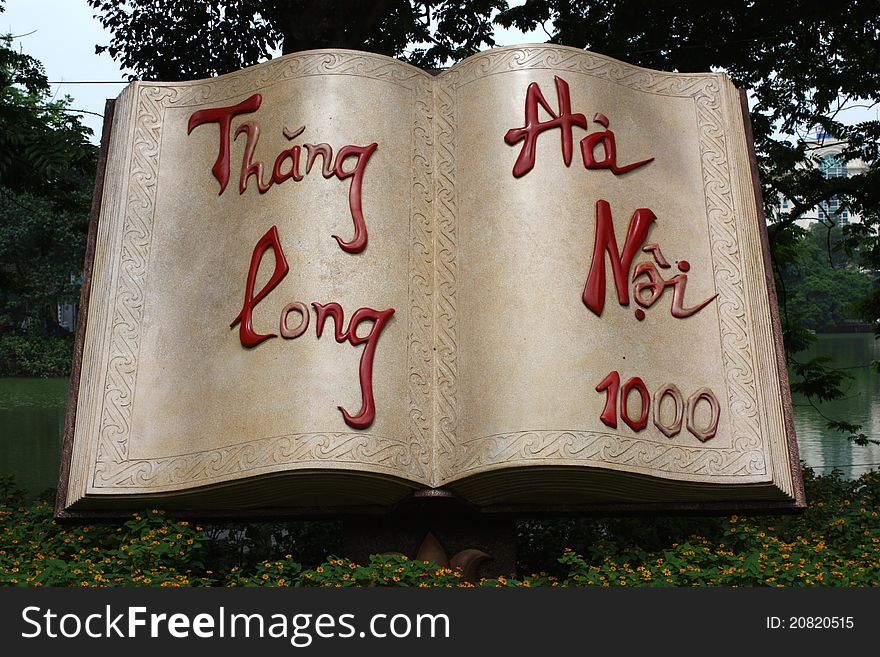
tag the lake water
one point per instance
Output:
(823, 449)
(31, 425)
(32, 418)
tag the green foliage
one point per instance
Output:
(35, 356)
(382, 570)
(827, 298)
(183, 39)
(42, 248)
(835, 543)
(186, 39)
(47, 168)
(44, 148)
(243, 547)
(827, 277)
(815, 379)
(861, 243)
(147, 550)
(823, 282)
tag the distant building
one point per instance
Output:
(66, 312)
(825, 151)
(67, 316)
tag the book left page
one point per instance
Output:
(260, 300)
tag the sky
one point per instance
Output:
(62, 35)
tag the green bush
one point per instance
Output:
(835, 543)
(35, 356)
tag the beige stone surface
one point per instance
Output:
(491, 359)
(530, 352)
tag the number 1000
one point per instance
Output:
(618, 396)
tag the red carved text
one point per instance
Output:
(250, 338)
(639, 224)
(564, 120)
(349, 163)
(364, 417)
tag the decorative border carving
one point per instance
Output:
(432, 289)
(746, 457)
(605, 448)
(314, 450)
(407, 455)
(421, 285)
(445, 299)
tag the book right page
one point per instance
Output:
(600, 295)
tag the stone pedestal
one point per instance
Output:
(436, 526)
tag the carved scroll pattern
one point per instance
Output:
(589, 446)
(746, 456)
(421, 284)
(445, 314)
(408, 455)
(313, 450)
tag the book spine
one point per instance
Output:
(445, 281)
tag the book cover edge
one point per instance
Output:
(83, 315)
(799, 501)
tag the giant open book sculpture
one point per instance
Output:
(537, 280)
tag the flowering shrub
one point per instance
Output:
(383, 570)
(835, 543)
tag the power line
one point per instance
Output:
(81, 111)
(71, 110)
(88, 82)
